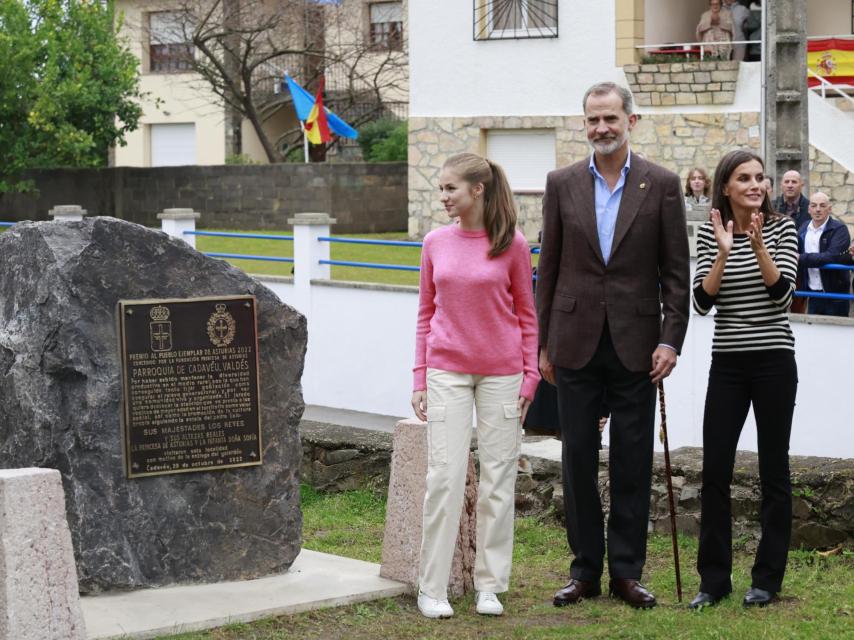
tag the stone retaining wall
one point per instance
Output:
(676, 141)
(337, 458)
(682, 83)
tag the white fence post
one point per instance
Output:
(308, 252)
(67, 213)
(174, 222)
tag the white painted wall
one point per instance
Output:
(453, 75)
(829, 17)
(361, 345)
(830, 130)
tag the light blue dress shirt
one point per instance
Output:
(607, 205)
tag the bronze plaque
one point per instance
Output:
(190, 382)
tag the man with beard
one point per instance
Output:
(614, 257)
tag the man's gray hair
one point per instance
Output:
(604, 88)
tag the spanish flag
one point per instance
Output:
(832, 59)
(316, 126)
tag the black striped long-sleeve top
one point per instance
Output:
(750, 315)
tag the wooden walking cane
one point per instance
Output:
(662, 435)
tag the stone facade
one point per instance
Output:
(683, 83)
(676, 141)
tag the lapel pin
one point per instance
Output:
(643, 185)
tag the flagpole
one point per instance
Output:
(304, 142)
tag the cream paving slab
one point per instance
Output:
(315, 580)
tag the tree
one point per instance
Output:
(244, 47)
(68, 86)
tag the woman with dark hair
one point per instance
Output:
(747, 259)
(475, 347)
(697, 186)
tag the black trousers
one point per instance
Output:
(631, 399)
(768, 380)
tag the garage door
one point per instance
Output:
(173, 144)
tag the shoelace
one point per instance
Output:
(489, 597)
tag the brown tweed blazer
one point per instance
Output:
(643, 291)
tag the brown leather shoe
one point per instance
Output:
(575, 591)
(632, 592)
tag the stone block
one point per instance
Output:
(649, 68)
(723, 97)
(662, 78)
(682, 77)
(645, 78)
(673, 88)
(404, 512)
(728, 86)
(704, 97)
(696, 88)
(677, 67)
(702, 76)
(668, 99)
(656, 98)
(643, 98)
(38, 577)
(723, 76)
(714, 86)
(686, 98)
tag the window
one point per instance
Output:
(526, 155)
(502, 19)
(170, 49)
(387, 25)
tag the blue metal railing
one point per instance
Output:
(371, 265)
(248, 236)
(822, 294)
(7, 224)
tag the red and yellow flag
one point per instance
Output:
(316, 125)
(832, 59)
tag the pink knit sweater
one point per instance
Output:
(475, 313)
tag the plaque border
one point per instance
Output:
(125, 418)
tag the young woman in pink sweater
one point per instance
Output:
(476, 346)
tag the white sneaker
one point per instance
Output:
(488, 604)
(432, 608)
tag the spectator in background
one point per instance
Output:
(753, 31)
(716, 26)
(769, 187)
(739, 14)
(791, 201)
(697, 186)
(823, 241)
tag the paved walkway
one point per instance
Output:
(315, 580)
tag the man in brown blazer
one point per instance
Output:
(613, 292)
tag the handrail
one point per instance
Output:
(382, 243)
(8, 224)
(694, 44)
(824, 84)
(242, 256)
(370, 265)
(230, 234)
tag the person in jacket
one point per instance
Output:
(823, 241)
(791, 201)
(475, 347)
(747, 258)
(613, 295)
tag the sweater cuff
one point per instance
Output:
(703, 299)
(529, 386)
(419, 378)
(779, 289)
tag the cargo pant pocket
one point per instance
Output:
(512, 433)
(437, 436)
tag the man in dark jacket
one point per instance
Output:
(821, 242)
(791, 201)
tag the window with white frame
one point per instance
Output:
(526, 155)
(170, 47)
(514, 19)
(386, 25)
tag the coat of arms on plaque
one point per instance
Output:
(160, 329)
(221, 327)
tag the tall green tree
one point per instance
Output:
(69, 86)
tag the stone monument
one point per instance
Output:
(61, 398)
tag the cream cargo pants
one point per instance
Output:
(450, 398)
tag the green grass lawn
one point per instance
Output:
(818, 600)
(349, 252)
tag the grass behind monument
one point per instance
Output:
(818, 601)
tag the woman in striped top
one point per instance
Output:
(747, 259)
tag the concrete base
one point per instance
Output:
(315, 580)
(38, 579)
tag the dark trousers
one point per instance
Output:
(631, 399)
(769, 381)
(828, 307)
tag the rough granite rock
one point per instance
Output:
(405, 508)
(60, 395)
(38, 582)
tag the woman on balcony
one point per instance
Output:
(747, 260)
(697, 186)
(716, 26)
(475, 346)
